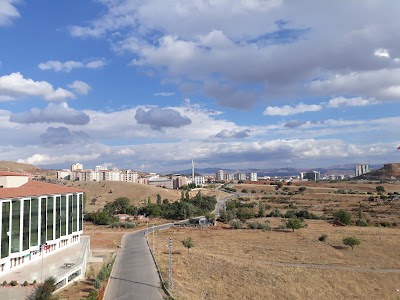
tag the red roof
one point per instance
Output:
(36, 188)
(6, 173)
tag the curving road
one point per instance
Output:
(134, 275)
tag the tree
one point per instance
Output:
(295, 223)
(351, 241)
(45, 290)
(380, 188)
(302, 189)
(261, 210)
(158, 199)
(188, 243)
(343, 216)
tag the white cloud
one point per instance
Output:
(80, 87)
(164, 94)
(8, 12)
(16, 86)
(349, 102)
(68, 66)
(382, 53)
(287, 110)
(47, 159)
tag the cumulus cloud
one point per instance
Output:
(349, 102)
(159, 118)
(62, 136)
(53, 113)
(48, 159)
(294, 124)
(232, 134)
(80, 87)
(68, 66)
(287, 110)
(164, 94)
(16, 86)
(8, 12)
(382, 53)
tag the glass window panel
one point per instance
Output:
(50, 215)
(15, 226)
(75, 213)
(80, 211)
(26, 222)
(70, 214)
(5, 227)
(58, 217)
(43, 220)
(63, 215)
(34, 221)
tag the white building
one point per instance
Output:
(37, 219)
(361, 169)
(311, 175)
(198, 180)
(64, 174)
(253, 176)
(220, 175)
(76, 167)
(241, 176)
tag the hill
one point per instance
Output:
(11, 166)
(100, 193)
(388, 171)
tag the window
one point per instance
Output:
(70, 214)
(80, 211)
(15, 226)
(43, 220)
(63, 215)
(75, 213)
(58, 217)
(26, 222)
(5, 241)
(50, 215)
(34, 221)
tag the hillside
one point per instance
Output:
(388, 171)
(100, 193)
(11, 166)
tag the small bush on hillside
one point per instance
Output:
(343, 216)
(235, 224)
(5, 283)
(97, 284)
(351, 241)
(25, 283)
(362, 222)
(13, 283)
(323, 238)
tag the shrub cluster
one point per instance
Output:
(259, 225)
(126, 225)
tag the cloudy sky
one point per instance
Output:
(151, 85)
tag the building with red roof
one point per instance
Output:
(37, 219)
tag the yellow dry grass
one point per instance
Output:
(245, 264)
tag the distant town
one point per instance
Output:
(176, 181)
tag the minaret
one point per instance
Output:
(192, 171)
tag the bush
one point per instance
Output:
(34, 282)
(235, 224)
(25, 283)
(97, 284)
(343, 216)
(13, 283)
(102, 275)
(380, 188)
(351, 241)
(295, 223)
(302, 189)
(276, 213)
(362, 222)
(323, 238)
(92, 295)
(5, 283)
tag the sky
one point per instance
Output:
(238, 84)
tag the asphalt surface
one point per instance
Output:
(134, 275)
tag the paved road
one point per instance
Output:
(134, 275)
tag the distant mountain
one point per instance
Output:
(11, 166)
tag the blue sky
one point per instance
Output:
(151, 85)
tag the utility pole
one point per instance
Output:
(170, 281)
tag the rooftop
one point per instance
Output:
(36, 188)
(6, 173)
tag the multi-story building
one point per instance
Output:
(241, 176)
(198, 180)
(253, 176)
(311, 175)
(229, 177)
(76, 167)
(129, 176)
(361, 169)
(37, 219)
(64, 174)
(220, 175)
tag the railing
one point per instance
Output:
(80, 261)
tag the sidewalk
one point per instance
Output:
(52, 265)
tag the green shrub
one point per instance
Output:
(34, 282)
(13, 283)
(362, 222)
(323, 238)
(101, 276)
(92, 295)
(343, 216)
(235, 224)
(351, 241)
(295, 223)
(97, 284)
(5, 283)
(25, 283)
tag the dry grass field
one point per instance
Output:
(251, 264)
(320, 198)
